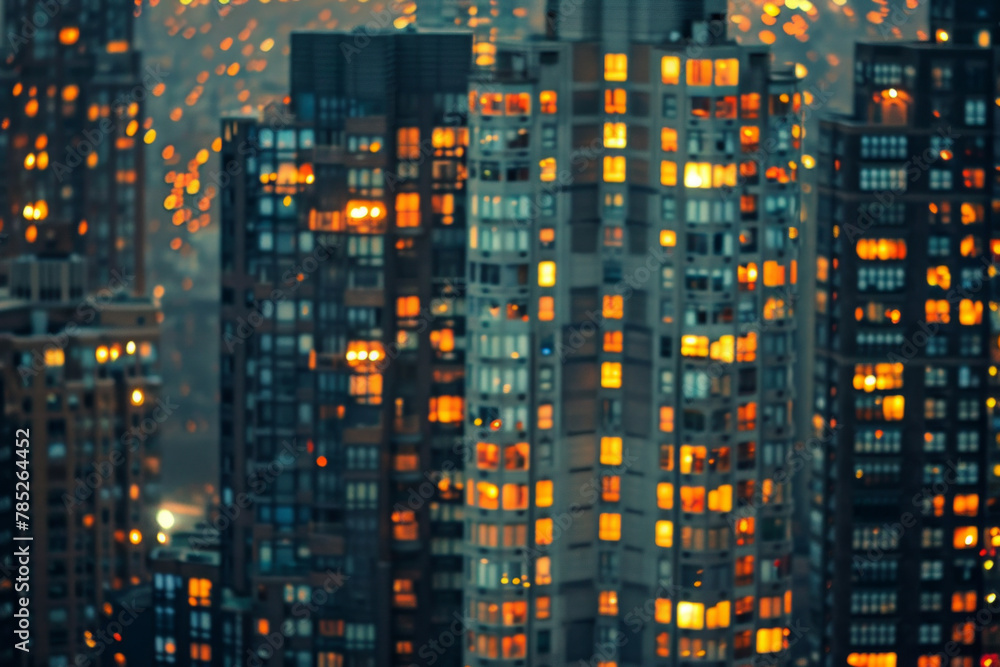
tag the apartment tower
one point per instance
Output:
(633, 216)
(343, 364)
(904, 529)
(78, 342)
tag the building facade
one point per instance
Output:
(633, 216)
(343, 226)
(904, 524)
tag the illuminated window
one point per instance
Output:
(670, 70)
(881, 249)
(404, 526)
(668, 140)
(543, 571)
(694, 346)
(609, 527)
(663, 644)
(668, 173)
(869, 377)
(543, 531)
(607, 603)
(718, 616)
(491, 104)
(664, 533)
(518, 104)
(408, 143)
(974, 179)
(666, 419)
(750, 106)
(611, 451)
(546, 308)
(487, 456)
(690, 615)
(937, 311)
(611, 375)
(966, 537)
(611, 488)
(966, 505)
(970, 312)
(545, 416)
(407, 306)
(615, 135)
(662, 613)
(543, 607)
(699, 72)
(666, 457)
(546, 274)
(403, 593)
(488, 496)
(615, 101)
(692, 497)
(750, 139)
(612, 341)
(769, 640)
(446, 409)
(668, 238)
(408, 209)
(615, 67)
(665, 495)
(692, 459)
(963, 601)
(939, 276)
(893, 407)
(970, 246)
(547, 168)
(515, 496)
(614, 305)
(200, 592)
(727, 72)
(547, 101)
(543, 493)
(721, 499)
(744, 570)
(614, 168)
(774, 274)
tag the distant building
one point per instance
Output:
(343, 227)
(633, 216)
(185, 605)
(905, 527)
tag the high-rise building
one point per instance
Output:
(343, 227)
(904, 529)
(78, 343)
(185, 597)
(633, 216)
(71, 134)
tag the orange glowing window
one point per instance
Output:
(615, 67)
(662, 645)
(488, 496)
(665, 495)
(974, 179)
(615, 101)
(518, 104)
(612, 341)
(515, 496)
(407, 306)
(491, 104)
(443, 340)
(668, 173)
(721, 499)
(937, 311)
(668, 140)
(614, 305)
(487, 456)
(611, 451)
(970, 312)
(607, 603)
(694, 346)
(970, 246)
(966, 537)
(543, 493)
(611, 488)
(547, 169)
(543, 607)
(699, 72)
(547, 101)
(881, 249)
(670, 70)
(408, 209)
(546, 274)
(664, 536)
(939, 276)
(666, 419)
(543, 531)
(614, 168)
(615, 135)
(727, 72)
(609, 527)
(750, 138)
(774, 274)
(546, 308)
(611, 375)
(408, 143)
(966, 504)
(668, 238)
(750, 106)
(693, 499)
(545, 416)
(446, 409)
(543, 570)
